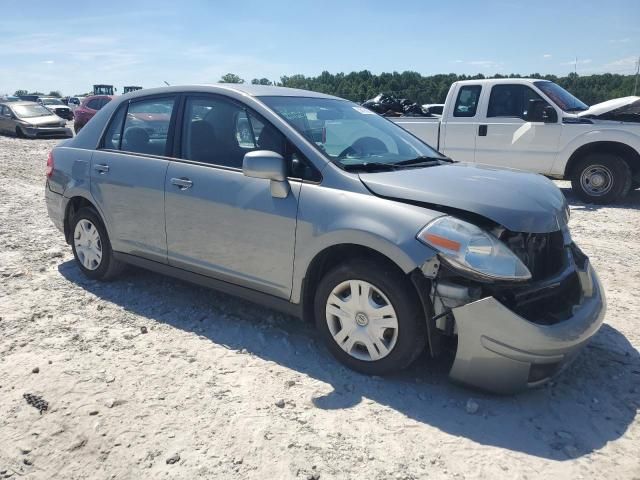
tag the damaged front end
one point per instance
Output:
(518, 333)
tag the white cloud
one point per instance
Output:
(547, 55)
(622, 65)
(586, 61)
(49, 62)
(486, 64)
(620, 40)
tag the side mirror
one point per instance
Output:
(540, 111)
(270, 166)
(549, 115)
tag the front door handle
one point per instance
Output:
(101, 168)
(482, 131)
(182, 183)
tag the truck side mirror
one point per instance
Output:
(540, 111)
(549, 115)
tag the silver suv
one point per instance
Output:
(314, 205)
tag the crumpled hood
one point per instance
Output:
(519, 201)
(44, 120)
(619, 106)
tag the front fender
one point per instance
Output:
(598, 133)
(329, 217)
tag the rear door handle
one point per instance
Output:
(482, 131)
(182, 183)
(101, 168)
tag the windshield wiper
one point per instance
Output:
(420, 161)
(368, 167)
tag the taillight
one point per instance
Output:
(50, 164)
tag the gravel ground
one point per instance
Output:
(149, 377)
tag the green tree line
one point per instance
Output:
(360, 86)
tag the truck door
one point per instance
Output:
(458, 133)
(505, 138)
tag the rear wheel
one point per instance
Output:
(601, 178)
(370, 317)
(91, 246)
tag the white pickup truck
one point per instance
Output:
(538, 126)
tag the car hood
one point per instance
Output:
(519, 201)
(43, 120)
(617, 106)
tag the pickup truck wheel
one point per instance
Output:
(91, 246)
(370, 317)
(601, 178)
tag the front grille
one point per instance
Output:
(550, 300)
(540, 252)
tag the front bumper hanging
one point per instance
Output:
(500, 351)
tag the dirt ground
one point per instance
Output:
(220, 388)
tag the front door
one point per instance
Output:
(219, 222)
(505, 139)
(128, 175)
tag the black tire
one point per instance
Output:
(76, 128)
(411, 333)
(620, 178)
(20, 133)
(108, 267)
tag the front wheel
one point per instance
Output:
(370, 317)
(601, 178)
(91, 246)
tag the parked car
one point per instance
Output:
(56, 106)
(29, 98)
(9, 98)
(433, 108)
(87, 109)
(74, 102)
(30, 119)
(538, 126)
(386, 244)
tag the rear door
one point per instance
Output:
(458, 134)
(506, 139)
(128, 175)
(219, 222)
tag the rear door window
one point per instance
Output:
(146, 126)
(467, 101)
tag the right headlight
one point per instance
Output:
(472, 250)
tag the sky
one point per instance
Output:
(79, 43)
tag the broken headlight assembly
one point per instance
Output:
(472, 251)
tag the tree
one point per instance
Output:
(18, 93)
(261, 81)
(55, 93)
(230, 78)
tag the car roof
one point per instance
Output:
(501, 80)
(242, 88)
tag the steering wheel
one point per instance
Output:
(347, 151)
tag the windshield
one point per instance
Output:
(561, 97)
(30, 111)
(52, 101)
(348, 134)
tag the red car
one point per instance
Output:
(87, 109)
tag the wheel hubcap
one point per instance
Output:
(88, 245)
(362, 320)
(596, 180)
